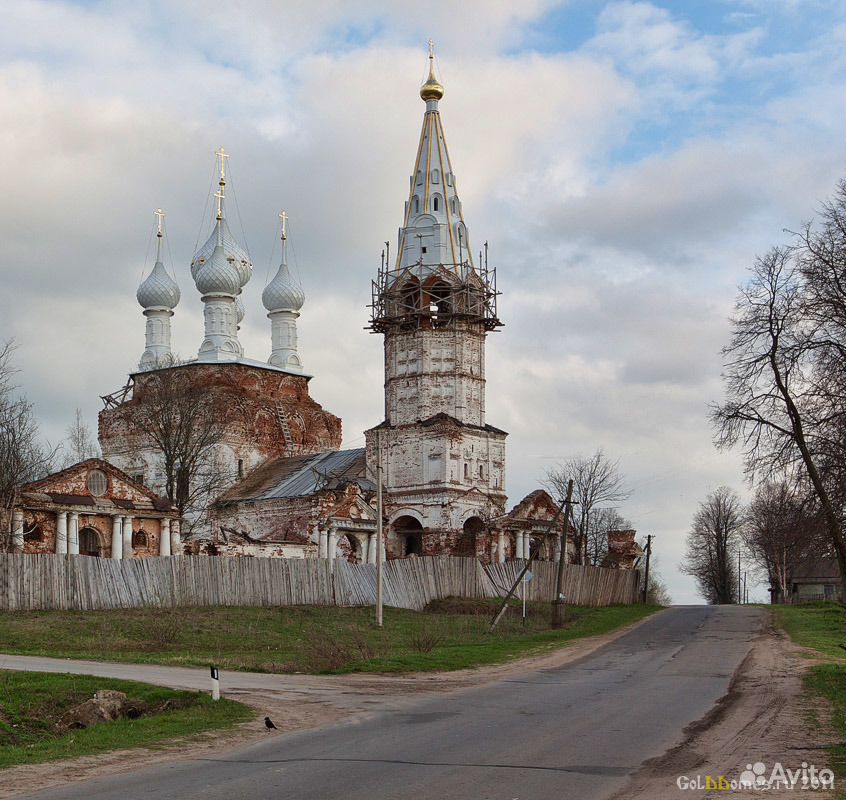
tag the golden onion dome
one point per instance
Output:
(431, 90)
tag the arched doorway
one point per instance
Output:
(349, 548)
(89, 542)
(470, 533)
(409, 533)
(536, 548)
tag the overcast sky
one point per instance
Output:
(625, 160)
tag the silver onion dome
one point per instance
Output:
(283, 293)
(218, 274)
(158, 289)
(223, 236)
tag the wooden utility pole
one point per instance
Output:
(378, 529)
(559, 602)
(739, 578)
(646, 571)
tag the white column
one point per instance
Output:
(323, 544)
(127, 537)
(73, 533)
(518, 544)
(18, 530)
(371, 548)
(527, 545)
(175, 540)
(332, 544)
(117, 540)
(500, 546)
(164, 537)
(61, 532)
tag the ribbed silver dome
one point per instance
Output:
(231, 248)
(218, 274)
(158, 289)
(283, 293)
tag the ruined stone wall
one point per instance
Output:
(287, 527)
(265, 414)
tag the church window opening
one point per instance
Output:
(89, 542)
(436, 176)
(34, 534)
(416, 204)
(139, 538)
(240, 468)
(138, 477)
(481, 471)
(97, 483)
(435, 204)
(466, 470)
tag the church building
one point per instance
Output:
(251, 461)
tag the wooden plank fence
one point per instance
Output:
(583, 585)
(45, 582)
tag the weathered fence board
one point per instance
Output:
(583, 585)
(43, 582)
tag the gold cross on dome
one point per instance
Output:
(222, 155)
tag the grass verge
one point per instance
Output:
(820, 628)
(32, 703)
(451, 634)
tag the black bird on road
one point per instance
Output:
(268, 723)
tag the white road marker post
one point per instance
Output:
(215, 682)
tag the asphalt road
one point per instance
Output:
(573, 732)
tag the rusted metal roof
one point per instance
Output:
(301, 476)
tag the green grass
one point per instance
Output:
(820, 628)
(452, 634)
(31, 704)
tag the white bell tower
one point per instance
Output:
(443, 465)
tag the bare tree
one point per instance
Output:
(712, 546)
(176, 419)
(596, 483)
(600, 522)
(783, 529)
(23, 458)
(79, 443)
(785, 366)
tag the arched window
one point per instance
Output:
(416, 204)
(440, 295)
(436, 203)
(481, 471)
(436, 176)
(97, 482)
